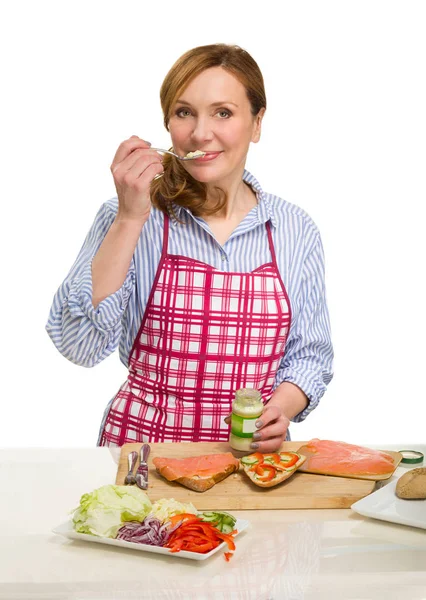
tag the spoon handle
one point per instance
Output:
(165, 152)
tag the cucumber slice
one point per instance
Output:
(284, 457)
(228, 520)
(249, 460)
(222, 520)
(209, 516)
(233, 519)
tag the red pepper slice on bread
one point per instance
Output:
(265, 472)
(268, 470)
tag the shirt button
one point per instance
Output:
(224, 257)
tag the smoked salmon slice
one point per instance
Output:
(339, 458)
(208, 465)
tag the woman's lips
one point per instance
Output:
(208, 156)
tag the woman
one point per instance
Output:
(207, 283)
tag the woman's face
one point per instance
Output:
(213, 114)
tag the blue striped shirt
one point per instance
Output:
(86, 335)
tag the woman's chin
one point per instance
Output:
(206, 175)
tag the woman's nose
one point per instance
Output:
(202, 130)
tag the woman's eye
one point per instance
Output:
(223, 114)
(183, 112)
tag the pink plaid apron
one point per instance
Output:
(205, 334)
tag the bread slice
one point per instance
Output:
(198, 473)
(200, 483)
(412, 485)
(280, 475)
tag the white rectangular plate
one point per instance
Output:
(67, 530)
(386, 506)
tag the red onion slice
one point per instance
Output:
(151, 531)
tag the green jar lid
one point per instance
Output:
(412, 457)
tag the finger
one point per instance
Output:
(118, 170)
(125, 148)
(136, 155)
(272, 445)
(140, 177)
(277, 429)
(270, 414)
(148, 175)
(227, 419)
(141, 165)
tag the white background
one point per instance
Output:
(344, 138)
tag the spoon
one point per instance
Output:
(189, 156)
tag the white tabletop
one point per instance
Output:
(285, 554)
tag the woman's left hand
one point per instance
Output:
(272, 432)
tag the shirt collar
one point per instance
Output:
(265, 210)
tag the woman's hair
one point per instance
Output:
(176, 184)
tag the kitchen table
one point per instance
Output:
(285, 554)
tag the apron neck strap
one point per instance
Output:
(165, 235)
(271, 243)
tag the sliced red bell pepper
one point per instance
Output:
(265, 472)
(272, 459)
(197, 536)
(292, 459)
(259, 457)
(184, 517)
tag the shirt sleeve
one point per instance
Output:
(308, 358)
(83, 334)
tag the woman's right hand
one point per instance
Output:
(133, 168)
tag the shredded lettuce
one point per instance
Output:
(169, 507)
(103, 511)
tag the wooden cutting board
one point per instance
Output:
(237, 492)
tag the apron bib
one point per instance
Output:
(205, 333)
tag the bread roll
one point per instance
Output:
(280, 476)
(412, 485)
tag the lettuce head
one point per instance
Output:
(103, 511)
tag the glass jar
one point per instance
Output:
(246, 409)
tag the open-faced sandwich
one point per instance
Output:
(198, 473)
(267, 470)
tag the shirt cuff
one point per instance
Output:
(108, 312)
(313, 390)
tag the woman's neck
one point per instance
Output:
(241, 200)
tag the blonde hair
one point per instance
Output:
(176, 184)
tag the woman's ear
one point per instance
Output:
(257, 126)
